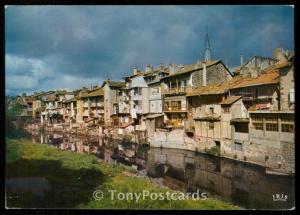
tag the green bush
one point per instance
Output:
(213, 151)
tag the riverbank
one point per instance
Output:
(72, 178)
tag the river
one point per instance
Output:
(242, 184)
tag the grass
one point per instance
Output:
(74, 177)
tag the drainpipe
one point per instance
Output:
(204, 73)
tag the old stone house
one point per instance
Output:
(254, 66)
(180, 79)
(70, 110)
(90, 106)
(111, 100)
(241, 117)
(287, 84)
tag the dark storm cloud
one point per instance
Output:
(72, 46)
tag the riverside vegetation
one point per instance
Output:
(74, 177)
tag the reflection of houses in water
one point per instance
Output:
(245, 184)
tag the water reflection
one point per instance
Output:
(243, 184)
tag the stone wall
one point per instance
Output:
(215, 74)
(286, 83)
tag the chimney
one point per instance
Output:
(135, 70)
(242, 60)
(204, 73)
(161, 66)
(148, 68)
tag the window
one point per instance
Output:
(226, 109)
(272, 123)
(287, 124)
(241, 127)
(167, 106)
(211, 110)
(211, 125)
(173, 85)
(176, 105)
(238, 146)
(257, 122)
(292, 96)
(218, 144)
(137, 91)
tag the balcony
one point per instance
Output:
(174, 109)
(175, 91)
(86, 104)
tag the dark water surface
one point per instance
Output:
(243, 184)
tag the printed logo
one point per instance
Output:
(280, 197)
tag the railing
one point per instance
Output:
(175, 123)
(180, 90)
(174, 108)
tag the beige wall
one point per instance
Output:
(286, 83)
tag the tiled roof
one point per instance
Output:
(207, 90)
(278, 66)
(70, 100)
(114, 83)
(153, 71)
(29, 99)
(230, 100)
(270, 77)
(155, 115)
(192, 67)
(21, 101)
(93, 93)
(267, 77)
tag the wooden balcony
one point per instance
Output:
(175, 91)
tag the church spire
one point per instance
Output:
(207, 49)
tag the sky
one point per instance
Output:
(68, 47)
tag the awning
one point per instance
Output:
(208, 118)
(90, 119)
(153, 116)
(240, 120)
(230, 100)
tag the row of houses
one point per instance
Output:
(247, 114)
